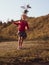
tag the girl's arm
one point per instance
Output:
(27, 26)
(16, 23)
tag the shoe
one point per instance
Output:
(18, 48)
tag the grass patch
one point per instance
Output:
(32, 51)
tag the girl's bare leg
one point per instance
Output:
(20, 42)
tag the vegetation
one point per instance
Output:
(39, 29)
(35, 50)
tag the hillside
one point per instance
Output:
(39, 29)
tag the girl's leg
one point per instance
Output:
(21, 42)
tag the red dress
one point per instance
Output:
(21, 28)
(21, 25)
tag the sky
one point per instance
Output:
(11, 9)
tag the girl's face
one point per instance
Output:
(24, 17)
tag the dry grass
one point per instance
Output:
(31, 50)
(38, 29)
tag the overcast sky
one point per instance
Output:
(10, 9)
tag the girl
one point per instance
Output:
(22, 27)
